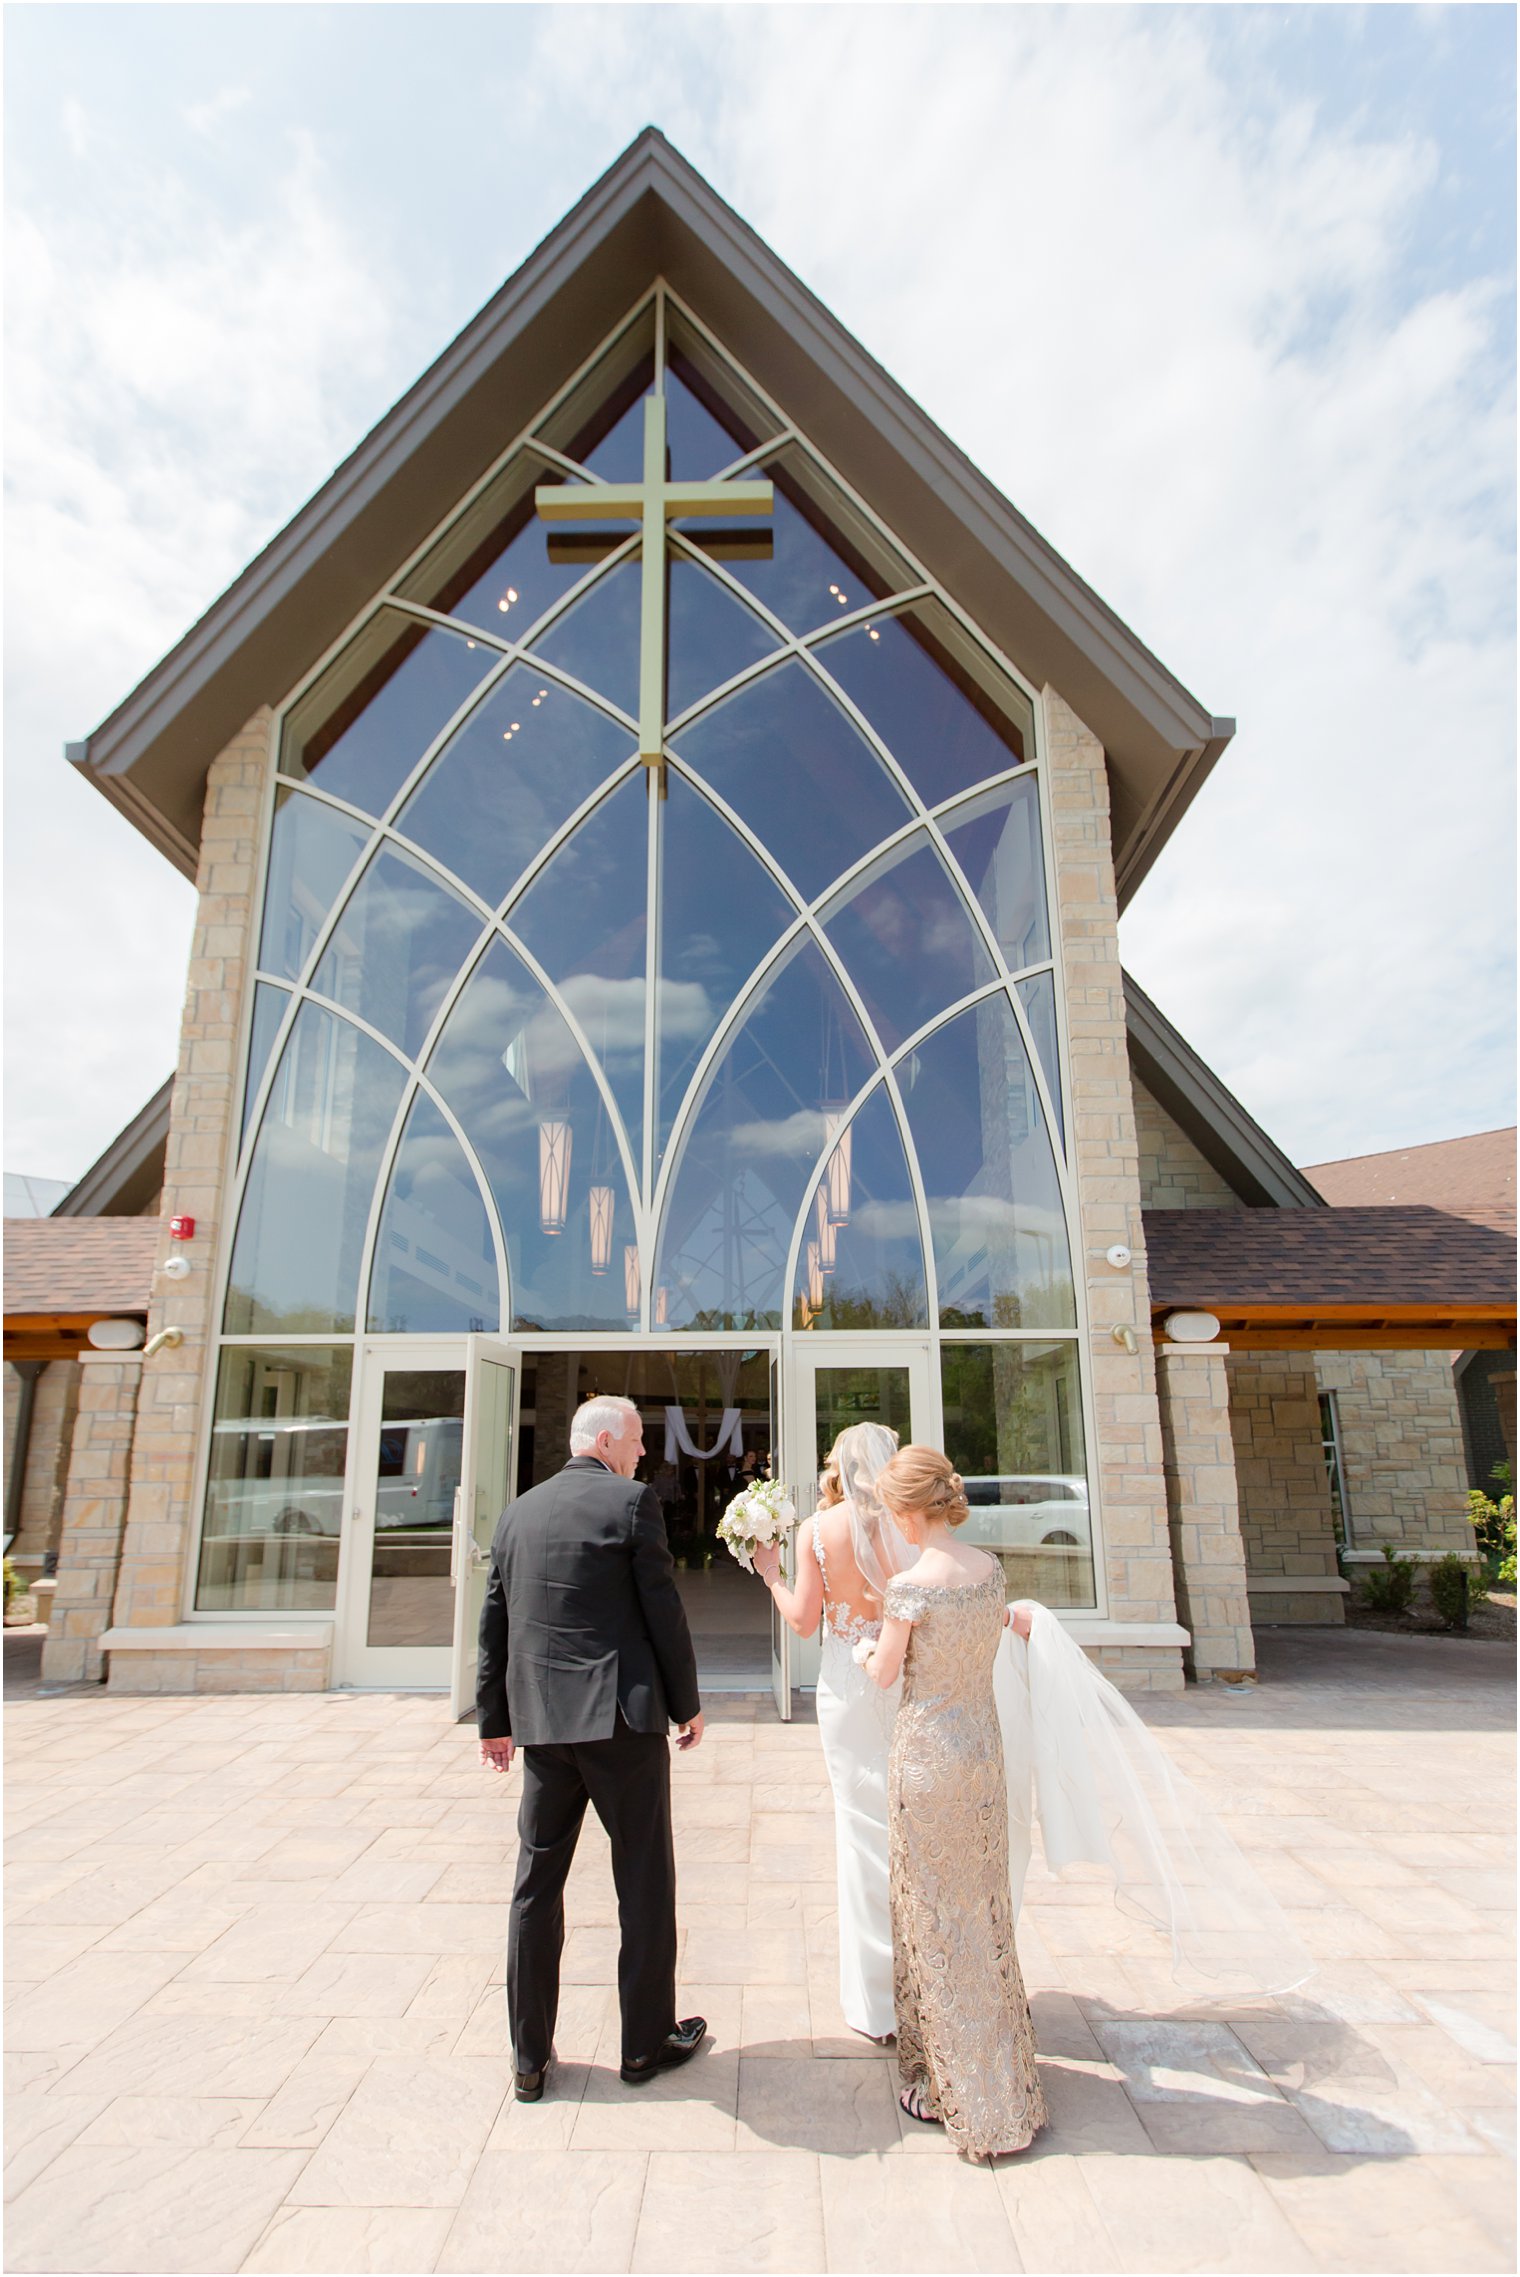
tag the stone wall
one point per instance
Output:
(47, 1464)
(162, 1520)
(1127, 1461)
(1173, 1174)
(1401, 1448)
(94, 1513)
(1285, 1515)
(1208, 1556)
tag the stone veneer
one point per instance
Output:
(161, 1525)
(1173, 1173)
(47, 1458)
(1284, 1490)
(1127, 1460)
(94, 1514)
(1401, 1448)
(1208, 1555)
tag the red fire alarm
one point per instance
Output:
(182, 1229)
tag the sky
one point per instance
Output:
(1222, 298)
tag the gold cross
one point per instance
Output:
(652, 503)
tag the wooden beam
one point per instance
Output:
(1341, 1336)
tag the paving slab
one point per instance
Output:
(256, 2017)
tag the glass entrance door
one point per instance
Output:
(397, 1624)
(834, 1383)
(488, 1478)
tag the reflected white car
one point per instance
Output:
(1030, 1512)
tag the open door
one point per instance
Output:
(782, 1639)
(487, 1481)
(837, 1381)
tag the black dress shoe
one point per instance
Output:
(683, 2042)
(529, 2085)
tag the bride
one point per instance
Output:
(846, 1555)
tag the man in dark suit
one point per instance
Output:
(585, 1662)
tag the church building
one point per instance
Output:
(660, 821)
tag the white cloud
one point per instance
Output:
(206, 117)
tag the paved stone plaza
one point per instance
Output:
(255, 2020)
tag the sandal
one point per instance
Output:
(911, 2100)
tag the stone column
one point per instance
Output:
(1208, 1555)
(94, 1514)
(199, 1162)
(1126, 1462)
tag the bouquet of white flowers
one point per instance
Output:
(763, 1513)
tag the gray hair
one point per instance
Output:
(593, 1416)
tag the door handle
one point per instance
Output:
(454, 1543)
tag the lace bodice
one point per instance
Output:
(840, 1622)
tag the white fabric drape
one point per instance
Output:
(679, 1440)
(1079, 1759)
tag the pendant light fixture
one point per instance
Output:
(631, 1279)
(553, 1174)
(601, 1228)
(815, 1278)
(828, 1232)
(836, 1178)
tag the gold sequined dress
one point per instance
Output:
(964, 2035)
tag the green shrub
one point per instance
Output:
(12, 1584)
(1389, 1587)
(1494, 1529)
(1456, 1585)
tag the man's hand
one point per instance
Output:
(689, 1735)
(497, 1754)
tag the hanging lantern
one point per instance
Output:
(553, 1175)
(601, 1228)
(661, 1303)
(815, 1278)
(836, 1178)
(631, 1279)
(828, 1232)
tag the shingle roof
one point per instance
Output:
(1470, 1177)
(79, 1265)
(1372, 1258)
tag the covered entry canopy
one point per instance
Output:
(64, 1274)
(1317, 1280)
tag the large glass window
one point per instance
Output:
(763, 1034)
(274, 1493)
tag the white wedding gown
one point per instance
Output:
(855, 1725)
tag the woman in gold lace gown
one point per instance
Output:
(965, 2042)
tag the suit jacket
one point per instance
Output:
(582, 1616)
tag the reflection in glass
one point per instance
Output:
(843, 1397)
(435, 1264)
(417, 1467)
(521, 566)
(996, 841)
(396, 948)
(869, 1269)
(940, 727)
(999, 1230)
(312, 850)
(516, 770)
(907, 940)
(720, 912)
(597, 639)
(806, 579)
(268, 1011)
(507, 1065)
(703, 433)
(1038, 997)
(274, 1488)
(380, 717)
(584, 919)
(784, 756)
(1013, 1429)
(748, 1158)
(295, 1263)
(611, 443)
(711, 635)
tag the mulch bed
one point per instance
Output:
(1493, 1622)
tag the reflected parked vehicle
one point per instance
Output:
(1033, 1511)
(286, 1477)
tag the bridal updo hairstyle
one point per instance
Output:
(830, 1491)
(921, 1481)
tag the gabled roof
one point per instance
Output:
(130, 1173)
(92, 1265)
(650, 215)
(1232, 1140)
(1471, 1177)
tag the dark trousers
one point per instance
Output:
(626, 1779)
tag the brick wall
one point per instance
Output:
(162, 1520)
(1401, 1446)
(1127, 1460)
(1173, 1174)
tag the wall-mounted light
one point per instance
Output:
(836, 1177)
(601, 1228)
(631, 1279)
(1191, 1327)
(553, 1175)
(115, 1335)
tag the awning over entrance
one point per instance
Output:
(1314, 1280)
(64, 1274)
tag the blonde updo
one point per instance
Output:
(829, 1489)
(920, 1482)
